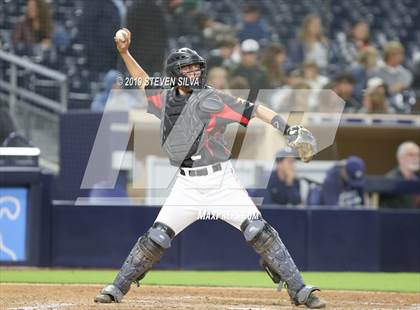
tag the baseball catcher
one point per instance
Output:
(193, 120)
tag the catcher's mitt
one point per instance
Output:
(302, 140)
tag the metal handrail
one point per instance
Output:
(14, 89)
(24, 62)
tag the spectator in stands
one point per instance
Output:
(351, 45)
(250, 69)
(111, 98)
(35, 27)
(344, 184)
(343, 86)
(109, 83)
(253, 26)
(374, 99)
(284, 186)
(311, 44)
(239, 82)
(408, 169)
(183, 18)
(101, 20)
(61, 38)
(213, 31)
(306, 87)
(295, 98)
(149, 34)
(222, 55)
(294, 77)
(273, 60)
(312, 77)
(363, 70)
(327, 101)
(300, 92)
(217, 78)
(396, 77)
(239, 87)
(359, 36)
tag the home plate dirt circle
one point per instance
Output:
(70, 296)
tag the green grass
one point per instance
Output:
(398, 282)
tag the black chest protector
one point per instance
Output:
(181, 127)
(184, 121)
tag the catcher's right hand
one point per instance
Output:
(302, 140)
(122, 46)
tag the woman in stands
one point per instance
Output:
(311, 44)
(35, 27)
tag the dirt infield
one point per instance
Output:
(40, 296)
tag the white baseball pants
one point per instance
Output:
(217, 195)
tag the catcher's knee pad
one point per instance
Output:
(275, 259)
(157, 239)
(259, 234)
(147, 251)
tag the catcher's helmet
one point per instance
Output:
(185, 57)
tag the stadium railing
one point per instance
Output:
(36, 115)
(14, 89)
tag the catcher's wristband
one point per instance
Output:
(279, 123)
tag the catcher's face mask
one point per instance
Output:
(191, 71)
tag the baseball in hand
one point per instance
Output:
(121, 35)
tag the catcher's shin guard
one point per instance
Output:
(148, 250)
(276, 260)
